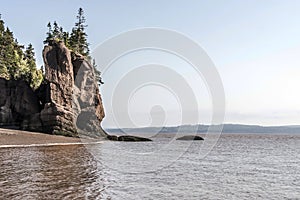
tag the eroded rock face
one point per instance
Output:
(87, 101)
(67, 102)
(18, 104)
(59, 73)
(57, 115)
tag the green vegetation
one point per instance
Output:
(78, 37)
(15, 62)
(97, 73)
(76, 41)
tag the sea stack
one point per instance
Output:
(67, 103)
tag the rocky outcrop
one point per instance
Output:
(67, 103)
(19, 106)
(128, 138)
(190, 137)
(87, 101)
(57, 115)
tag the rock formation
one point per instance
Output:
(18, 104)
(67, 103)
(57, 116)
(128, 138)
(69, 94)
(87, 101)
(190, 137)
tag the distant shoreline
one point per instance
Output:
(225, 128)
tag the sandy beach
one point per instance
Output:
(15, 138)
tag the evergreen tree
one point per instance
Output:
(97, 73)
(2, 28)
(29, 56)
(34, 77)
(65, 37)
(78, 37)
(76, 41)
(49, 34)
(3, 68)
(14, 62)
(11, 56)
(56, 33)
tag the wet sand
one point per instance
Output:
(12, 138)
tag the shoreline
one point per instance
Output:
(10, 138)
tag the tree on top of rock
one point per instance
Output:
(49, 34)
(56, 33)
(78, 37)
(76, 41)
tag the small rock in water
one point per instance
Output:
(128, 138)
(190, 137)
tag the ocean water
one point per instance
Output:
(238, 167)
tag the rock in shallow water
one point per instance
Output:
(128, 138)
(190, 137)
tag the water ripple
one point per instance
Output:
(239, 167)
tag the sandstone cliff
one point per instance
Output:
(87, 101)
(67, 103)
(18, 104)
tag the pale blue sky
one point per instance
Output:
(255, 44)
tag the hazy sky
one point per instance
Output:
(254, 44)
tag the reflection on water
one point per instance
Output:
(239, 167)
(49, 173)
